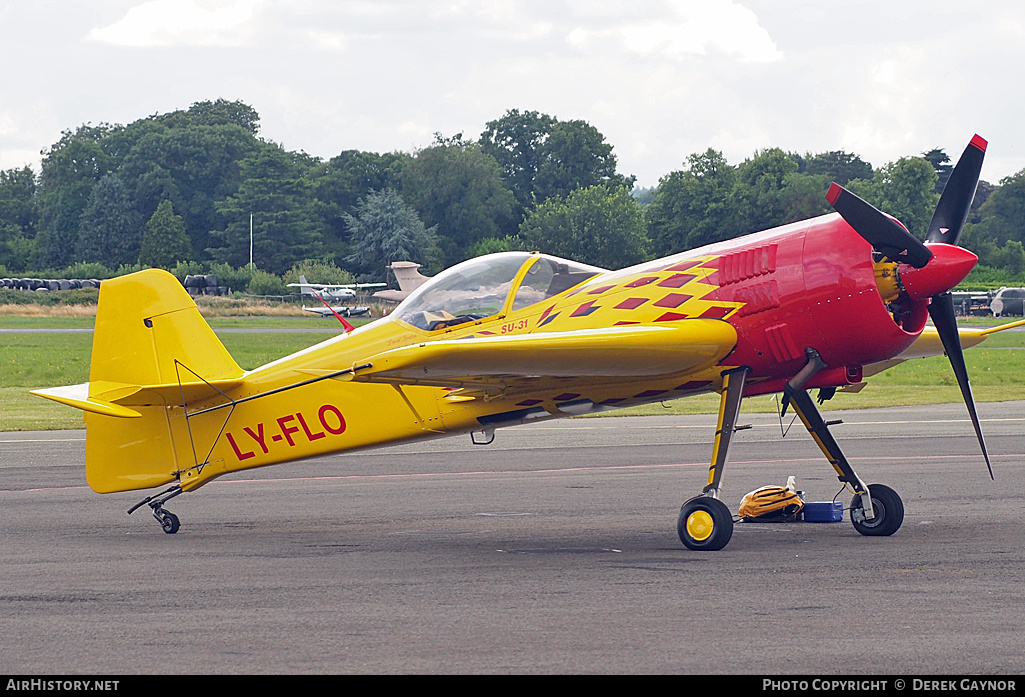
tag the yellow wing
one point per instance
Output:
(613, 352)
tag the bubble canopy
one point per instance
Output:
(489, 285)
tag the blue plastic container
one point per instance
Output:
(823, 512)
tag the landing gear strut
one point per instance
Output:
(705, 523)
(168, 521)
(876, 509)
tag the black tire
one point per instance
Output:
(169, 522)
(887, 506)
(705, 524)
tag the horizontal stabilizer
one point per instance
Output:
(114, 399)
(78, 396)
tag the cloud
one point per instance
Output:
(328, 40)
(172, 23)
(22, 128)
(659, 78)
(690, 29)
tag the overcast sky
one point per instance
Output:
(660, 80)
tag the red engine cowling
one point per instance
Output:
(813, 285)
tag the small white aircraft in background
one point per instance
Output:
(343, 310)
(332, 292)
(326, 292)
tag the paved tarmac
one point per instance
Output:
(553, 550)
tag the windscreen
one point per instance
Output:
(478, 288)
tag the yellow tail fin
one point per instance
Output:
(149, 346)
(145, 322)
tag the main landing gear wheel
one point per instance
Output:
(705, 524)
(887, 506)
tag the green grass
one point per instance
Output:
(997, 370)
(30, 361)
(306, 322)
(310, 322)
(37, 360)
(252, 354)
(12, 322)
(876, 395)
(22, 411)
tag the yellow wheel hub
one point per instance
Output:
(700, 525)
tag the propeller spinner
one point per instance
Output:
(930, 269)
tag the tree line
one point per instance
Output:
(185, 190)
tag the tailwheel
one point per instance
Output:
(168, 521)
(888, 509)
(705, 524)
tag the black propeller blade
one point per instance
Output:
(889, 238)
(956, 201)
(946, 226)
(882, 232)
(941, 309)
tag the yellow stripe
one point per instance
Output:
(718, 429)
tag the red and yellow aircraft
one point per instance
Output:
(508, 338)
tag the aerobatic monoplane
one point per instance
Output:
(509, 338)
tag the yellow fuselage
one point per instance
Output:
(345, 413)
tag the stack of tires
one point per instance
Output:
(46, 285)
(204, 285)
